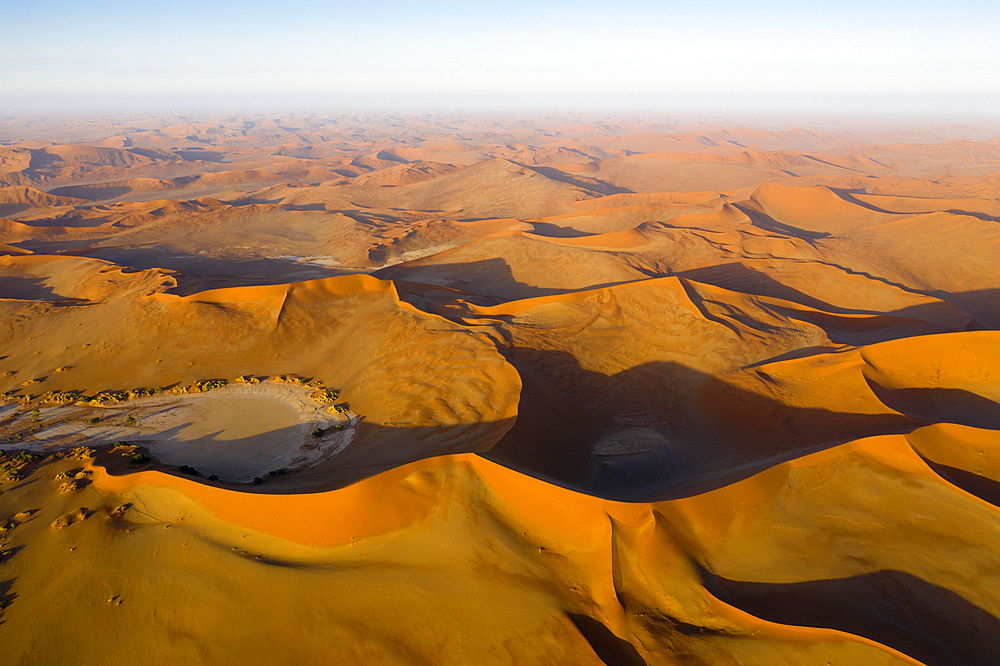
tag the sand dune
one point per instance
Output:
(446, 389)
(17, 199)
(403, 174)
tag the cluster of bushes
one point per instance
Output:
(63, 396)
(82, 452)
(118, 512)
(12, 469)
(200, 386)
(73, 485)
(208, 385)
(288, 379)
(98, 399)
(321, 394)
(105, 398)
(131, 451)
(325, 395)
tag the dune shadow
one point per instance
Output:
(207, 454)
(550, 230)
(736, 276)
(690, 432)
(768, 223)
(848, 195)
(7, 209)
(594, 185)
(199, 155)
(11, 551)
(928, 623)
(983, 304)
(222, 271)
(6, 596)
(610, 649)
(982, 487)
(42, 159)
(940, 405)
(657, 431)
(488, 281)
(68, 222)
(374, 449)
(32, 289)
(979, 216)
(91, 192)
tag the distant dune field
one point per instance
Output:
(475, 391)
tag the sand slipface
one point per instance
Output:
(556, 390)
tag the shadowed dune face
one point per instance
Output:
(557, 390)
(919, 619)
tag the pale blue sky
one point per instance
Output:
(879, 55)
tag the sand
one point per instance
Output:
(604, 391)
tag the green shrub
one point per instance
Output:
(82, 452)
(208, 385)
(325, 395)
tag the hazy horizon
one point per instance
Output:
(882, 58)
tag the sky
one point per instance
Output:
(877, 56)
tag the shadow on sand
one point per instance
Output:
(929, 623)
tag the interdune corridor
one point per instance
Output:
(432, 389)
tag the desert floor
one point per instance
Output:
(459, 389)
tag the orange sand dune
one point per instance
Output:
(505, 266)
(16, 199)
(561, 388)
(816, 209)
(496, 188)
(403, 174)
(656, 173)
(278, 324)
(941, 253)
(918, 205)
(640, 576)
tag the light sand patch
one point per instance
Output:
(631, 442)
(232, 436)
(237, 432)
